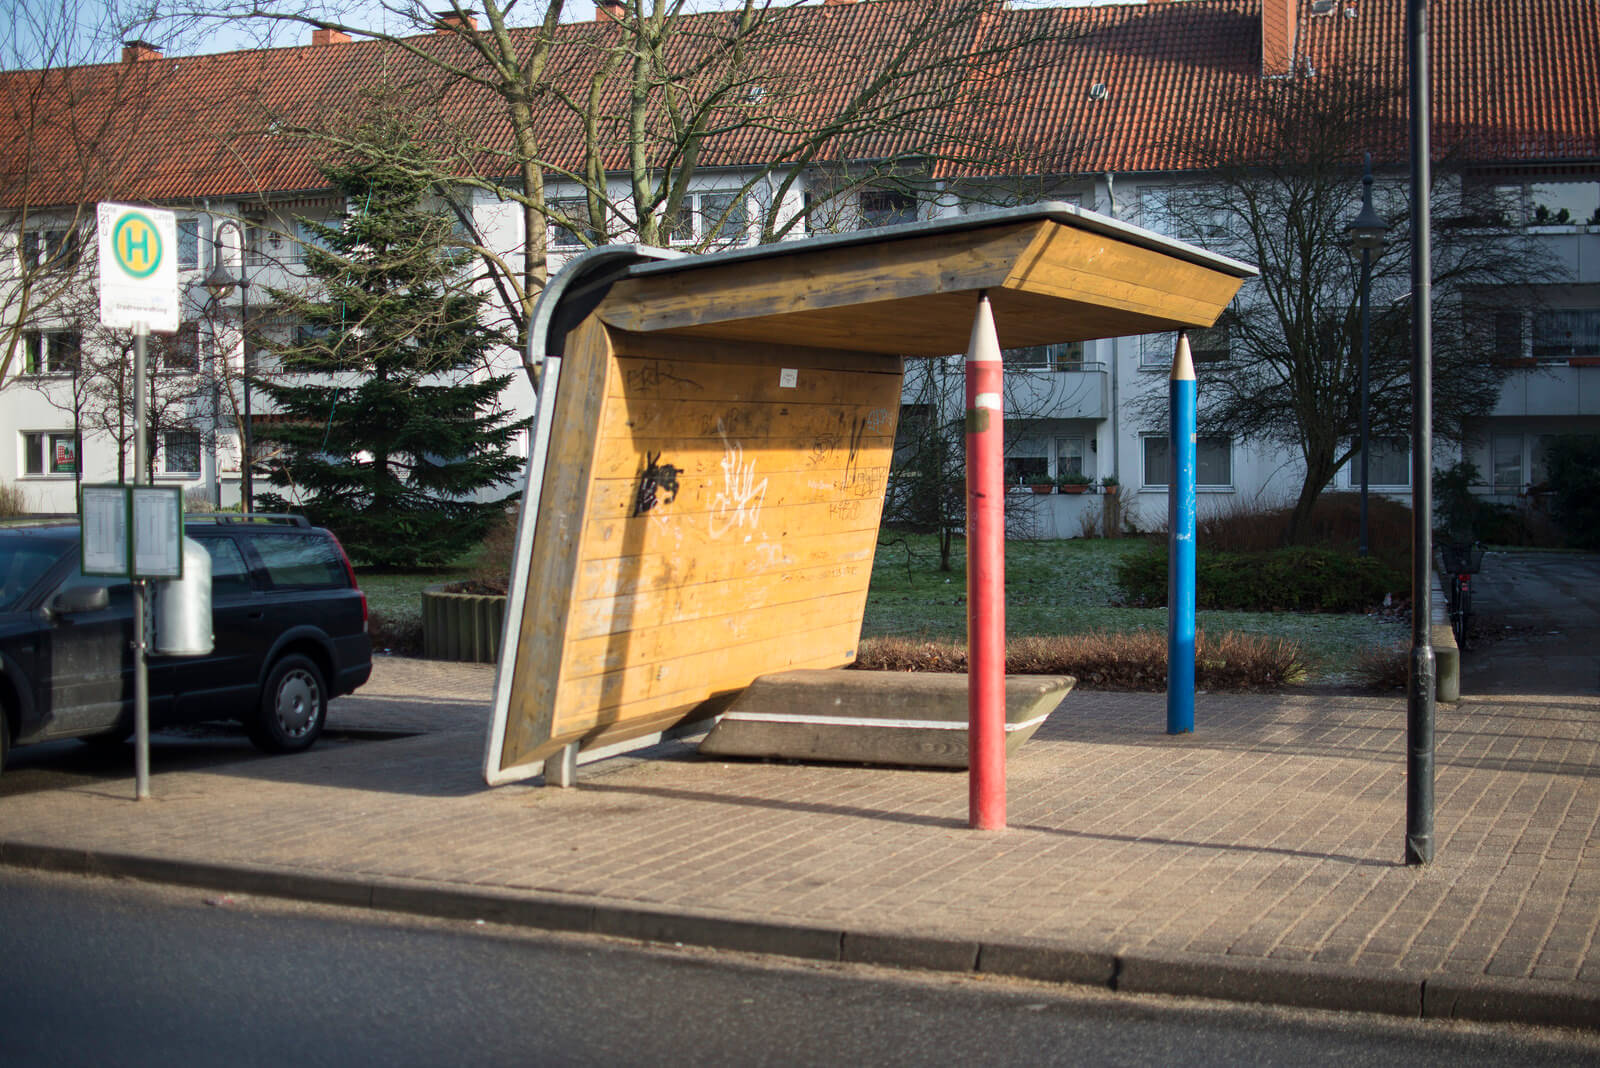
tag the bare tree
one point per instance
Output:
(1278, 187)
(68, 118)
(633, 108)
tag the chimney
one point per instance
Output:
(328, 37)
(1279, 25)
(611, 9)
(449, 20)
(836, 3)
(137, 51)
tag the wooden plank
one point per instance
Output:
(744, 528)
(684, 379)
(689, 678)
(1094, 269)
(1067, 284)
(612, 576)
(553, 561)
(823, 278)
(688, 602)
(657, 645)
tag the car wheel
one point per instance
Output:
(294, 706)
(5, 736)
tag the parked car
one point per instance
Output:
(289, 621)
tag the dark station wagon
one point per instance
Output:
(289, 623)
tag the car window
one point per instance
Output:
(23, 562)
(298, 560)
(230, 575)
(120, 589)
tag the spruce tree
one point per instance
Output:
(390, 428)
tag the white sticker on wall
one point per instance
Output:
(788, 377)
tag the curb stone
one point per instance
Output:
(1293, 983)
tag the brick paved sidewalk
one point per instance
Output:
(1267, 844)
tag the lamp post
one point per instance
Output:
(219, 283)
(1366, 233)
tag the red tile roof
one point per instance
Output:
(1515, 82)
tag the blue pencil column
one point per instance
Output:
(1180, 544)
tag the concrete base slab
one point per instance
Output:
(916, 719)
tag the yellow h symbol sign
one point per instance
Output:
(136, 243)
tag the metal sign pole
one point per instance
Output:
(141, 675)
(1420, 694)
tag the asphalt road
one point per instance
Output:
(1538, 626)
(102, 972)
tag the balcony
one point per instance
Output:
(1552, 387)
(1072, 391)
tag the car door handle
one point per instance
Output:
(258, 615)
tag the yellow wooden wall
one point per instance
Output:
(702, 523)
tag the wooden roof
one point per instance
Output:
(1053, 273)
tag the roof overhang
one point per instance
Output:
(1053, 273)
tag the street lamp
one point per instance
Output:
(1366, 232)
(219, 283)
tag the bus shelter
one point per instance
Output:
(713, 441)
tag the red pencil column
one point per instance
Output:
(986, 576)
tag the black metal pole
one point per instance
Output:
(1366, 360)
(1420, 692)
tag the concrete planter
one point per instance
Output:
(462, 626)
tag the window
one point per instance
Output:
(306, 235)
(886, 207)
(912, 432)
(1213, 461)
(575, 210)
(1563, 203)
(1067, 356)
(55, 249)
(188, 244)
(229, 574)
(1070, 456)
(180, 353)
(1209, 346)
(1558, 335)
(1156, 351)
(50, 352)
(1507, 333)
(264, 243)
(180, 452)
(45, 453)
(1389, 465)
(1027, 470)
(1505, 462)
(1153, 210)
(720, 219)
(297, 560)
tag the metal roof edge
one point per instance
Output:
(1055, 211)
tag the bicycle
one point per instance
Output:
(1457, 564)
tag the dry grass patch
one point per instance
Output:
(1134, 661)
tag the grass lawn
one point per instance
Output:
(1066, 587)
(1052, 587)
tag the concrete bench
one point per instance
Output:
(917, 719)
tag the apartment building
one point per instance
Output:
(1102, 112)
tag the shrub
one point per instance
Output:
(1131, 661)
(1386, 669)
(1300, 579)
(1245, 526)
(493, 572)
(1573, 462)
(13, 500)
(398, 635)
